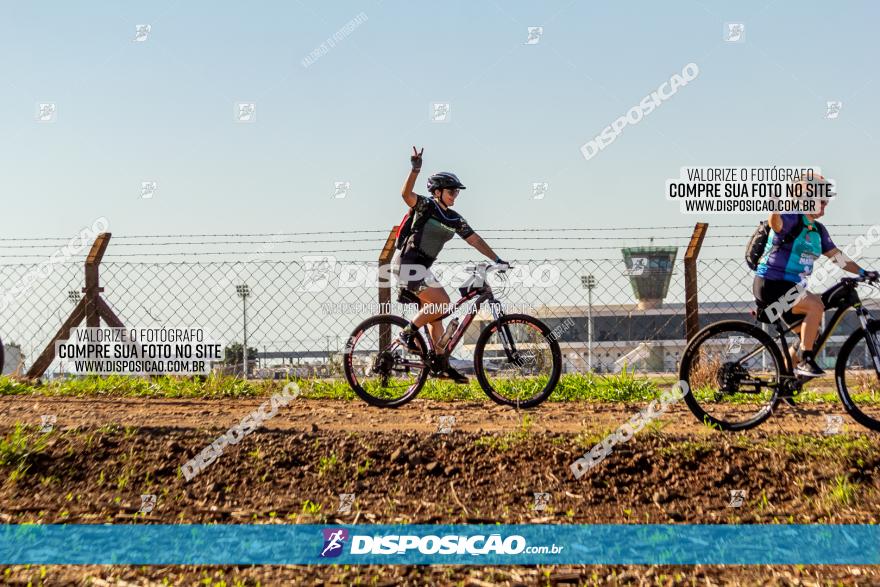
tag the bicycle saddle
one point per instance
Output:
(407, 297)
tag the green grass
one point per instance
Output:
(311, 508)
(328, 465)
(18, 448)
(843, 492)
(688, 449)
(625, 386)
(846, 447)
(507, 440)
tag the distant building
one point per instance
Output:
(648, 340)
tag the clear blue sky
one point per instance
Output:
(163, 109)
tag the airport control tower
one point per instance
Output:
(649, 269)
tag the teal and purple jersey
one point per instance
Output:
(794, 261)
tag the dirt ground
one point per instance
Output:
(421, 416)
(104, 453)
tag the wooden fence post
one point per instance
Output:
(691, 300)
(91, 308)
(385, 257)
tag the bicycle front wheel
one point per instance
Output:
(517, 361)
(380, 370)
(734, 371)
(858, 383)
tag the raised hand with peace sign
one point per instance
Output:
(416, 159)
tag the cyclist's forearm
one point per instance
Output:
(407, 193)
(843, 261)
(478, 243)
(852, 267)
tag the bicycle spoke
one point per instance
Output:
(857, 375)
(379, 368)
(733, 375)
(518, 362)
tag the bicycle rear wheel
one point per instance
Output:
(380, 370)
(858, 383)
(517, 361)
(734, 372)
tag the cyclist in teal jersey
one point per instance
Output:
(424, 245)
(787, 263)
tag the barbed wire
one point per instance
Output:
(619, 229)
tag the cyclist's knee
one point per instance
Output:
(434, 298)
(810, 304)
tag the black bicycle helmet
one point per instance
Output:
(444, 180)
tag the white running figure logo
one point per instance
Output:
(335, 542)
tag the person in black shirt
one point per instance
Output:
(437, 224)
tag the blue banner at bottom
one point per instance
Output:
(524, 544)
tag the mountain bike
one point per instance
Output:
(737, 373)
(517, 360)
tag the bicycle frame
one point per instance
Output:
(480, 296)
(825, 334)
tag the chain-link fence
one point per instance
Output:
(615, 302)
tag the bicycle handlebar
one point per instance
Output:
(860, 279)
(487, 266)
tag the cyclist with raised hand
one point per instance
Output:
(437, 223)
(794, 244)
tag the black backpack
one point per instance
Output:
(405, 229)
(758, 242)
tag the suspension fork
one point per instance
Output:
(865, 320)
(504, 331)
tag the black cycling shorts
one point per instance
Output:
(767, 291)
